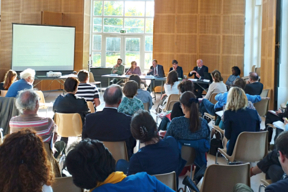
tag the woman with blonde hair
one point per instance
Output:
(9, 78)
(238, 117)
(134, 69)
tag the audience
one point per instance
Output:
(26, 82)
(119, 70)
(109, 124)
(9, 79)
(253, 87)
(177, 68)
(198, 72)
(235, 74)
(143, 95)
(171, 84)
(217, 86)
(27, 102)
(238, 118)
(86, 90)
(130, 104)
(134, 70)
(93, 167)
(23, 164)
(150, 158)
(191, 127)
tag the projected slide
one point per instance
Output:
(43, 48)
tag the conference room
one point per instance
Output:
(165, 95)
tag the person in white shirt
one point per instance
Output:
(217, 86)
(171, 85)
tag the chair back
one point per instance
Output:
(158, 89)
(118, 149)
(170, 105)
(68, 124)
(3, 93)
(146, 106)
(172, 98)
(91, 106)
(41, 96)
(212, 98)
(91, 77)
(169, 179)
(65, 184)
(250, 146)
(53, 162)
(262, 106)
(265, 93)
(225, 177)
(188, 154)
(253, 68)
(258, 71)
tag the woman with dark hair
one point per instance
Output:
(235, 74)
(23, 164)
(9, 78)
(93, 167)
(177, 68)
(134, 69)
(149, 158)
(217, 86)
(171, 85)
(130, 104)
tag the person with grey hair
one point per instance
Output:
(109, 124)
(26, 82)
(253, 86)
(27, 102)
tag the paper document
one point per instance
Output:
(220, 113)
(193, 80)
(279, 125)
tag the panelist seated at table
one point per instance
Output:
(177, 68)
(134, 69)
(156, 69)
(119, 70)
(199, 72)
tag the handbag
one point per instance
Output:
(216, 143)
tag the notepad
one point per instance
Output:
(279, 125)
(220, 113)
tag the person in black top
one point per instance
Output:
(9, 79)
(198, 73)
(253, 86)
(185, 85)
(157, 71)
(177, 68)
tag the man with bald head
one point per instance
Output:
(253, 86)
(109, 124)
(27, 102)
(198, 72)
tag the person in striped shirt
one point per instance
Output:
(27, 102)
(86, 90)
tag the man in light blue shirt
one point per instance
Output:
(26, 82)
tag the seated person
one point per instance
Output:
(221, 98)
(184, 85)
(26, 82)
(130, 104)
(119, 70)
(143, 95)
(235, 74)
(24, 163)
(253, 86)
(9, 79)
(109, 124)
(93, 167)
(171, 84)
(27, 102)
(190, 126)
(198, 73)
(157, 71)
(217, 86)
(150, 158)
(177, 68)
(134, 70)
(86, 90)
(69, 103)
(238, 118)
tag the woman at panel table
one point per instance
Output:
(134, 70)
(177, 68)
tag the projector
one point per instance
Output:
(53, 74)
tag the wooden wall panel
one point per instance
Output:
(51, 18)
(268, 48)
(211, 30)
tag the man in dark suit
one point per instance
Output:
(177, 68)
(198, 73)
(253, 86)
(109, 124)
(157, 71)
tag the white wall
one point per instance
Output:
(283, 74)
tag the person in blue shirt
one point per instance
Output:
(26, 82)
(221, 98)
(235, 74)
(92, 167)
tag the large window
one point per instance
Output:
(135, 42)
